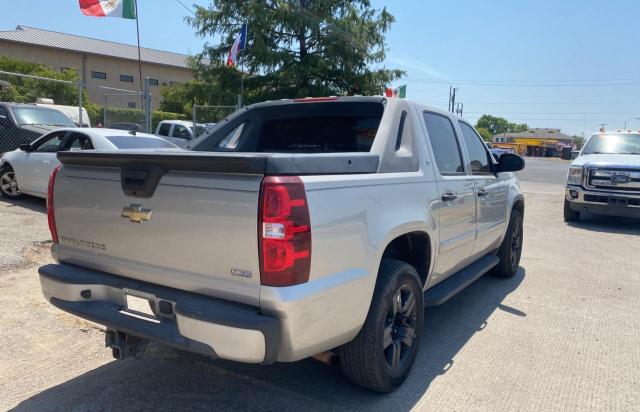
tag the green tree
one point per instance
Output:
(295, 48)
(27, 90)
(485, 134)
(497, 125)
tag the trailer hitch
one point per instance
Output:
(123, 344)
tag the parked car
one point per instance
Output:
(26, 170)
(605, 178)
(180, 132)
(326, 225)
(22, 123)
(499, 151)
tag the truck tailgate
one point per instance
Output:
(197, 231)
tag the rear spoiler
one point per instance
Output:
(231, 163)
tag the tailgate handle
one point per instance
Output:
(134, 177)
(140, 181)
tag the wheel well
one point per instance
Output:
(519, 206)
(413, 248)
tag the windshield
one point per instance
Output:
(139, 142)
(613, 144)
(39, 115)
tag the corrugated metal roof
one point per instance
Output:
(537, 133)
(64, 41)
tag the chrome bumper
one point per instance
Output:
(602, 202)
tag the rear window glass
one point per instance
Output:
(309, 127)
(326, 134)
(139, 142)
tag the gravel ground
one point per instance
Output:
(21, 224)
(564, 334)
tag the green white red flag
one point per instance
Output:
(125, 9)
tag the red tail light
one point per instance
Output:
(284, 232)
(50, 214)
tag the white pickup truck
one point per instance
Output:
(605, 178)
(294, 228)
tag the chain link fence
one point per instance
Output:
(123, 109)
(25, 107)
(207, 116)
(26, 103)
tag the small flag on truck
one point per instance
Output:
(400, 92)
(125, 9)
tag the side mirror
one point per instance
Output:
(4, 121)
(510, 162)
(26, 147)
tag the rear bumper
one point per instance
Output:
(200, 324)
(603, 202)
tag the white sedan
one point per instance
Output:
(26, 170)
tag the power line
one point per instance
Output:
(558, 113)
(530, 119)
(552, 102)
(186, 7)
(529, 83)
(529, 80)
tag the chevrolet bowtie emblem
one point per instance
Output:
(135, 213)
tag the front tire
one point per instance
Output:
(8, 183)
(382, 354)
(511, 249)
(570, 215)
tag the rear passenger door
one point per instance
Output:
(491, 193)
(40, 162)
(457, 205)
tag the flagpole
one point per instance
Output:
(244, 46)
(240, 103)
(139, 57)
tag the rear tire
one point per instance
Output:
(8, 183)
(382, 355)
(511, 249)
(570, 215)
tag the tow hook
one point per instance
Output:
(122, 344)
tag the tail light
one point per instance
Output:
(50, 214)
(284, 232)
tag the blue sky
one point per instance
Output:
(570, 64)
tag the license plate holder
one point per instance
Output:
(139, 307)
(618, 201)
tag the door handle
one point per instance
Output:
(448, 197)
(482, 193)
(46, 162)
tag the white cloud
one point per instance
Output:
(414, 67)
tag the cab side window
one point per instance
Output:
(478, 154)
(446, 148)
(50, 144)
(78, 141)
(164, 129)
(181, 132)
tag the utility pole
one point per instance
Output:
(449, 108)
(453, 100)
(630, 120)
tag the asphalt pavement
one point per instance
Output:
(563, 334)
